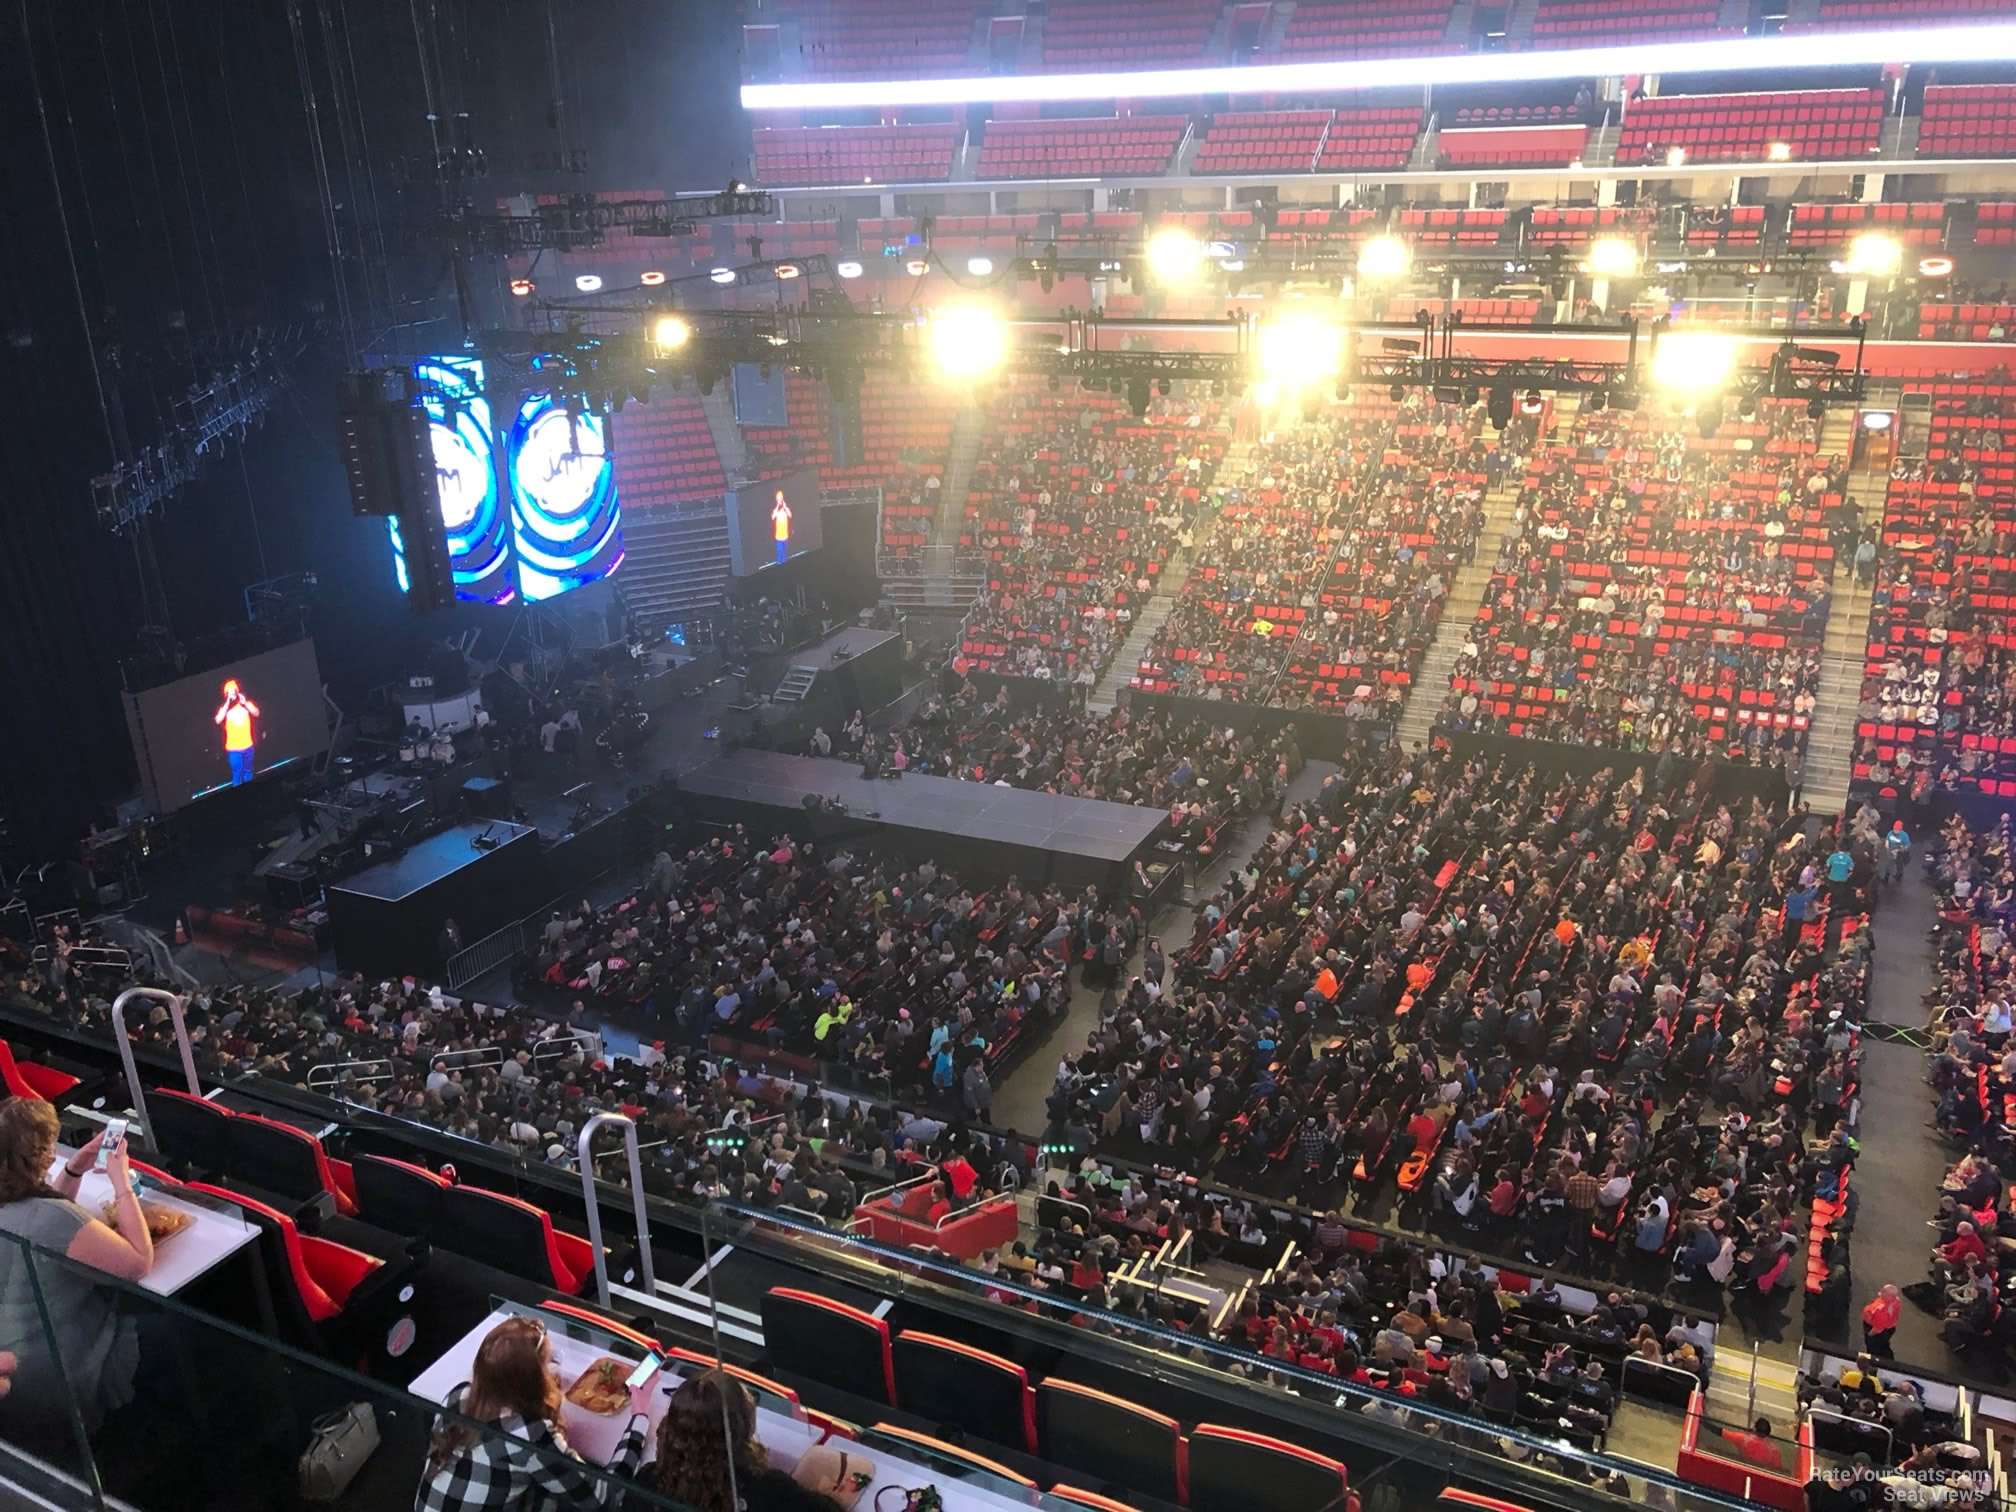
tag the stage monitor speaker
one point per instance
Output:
(487, 797)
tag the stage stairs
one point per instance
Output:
(794, 685)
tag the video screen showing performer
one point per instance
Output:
(774, 521)
(236, 714)
(228, 726)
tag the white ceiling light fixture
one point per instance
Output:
(1988, 42)
(847, 269)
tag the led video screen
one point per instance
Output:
(774, 521)
(228, 726)
(464, 443)
(566, 524)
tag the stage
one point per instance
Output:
(981, 831)
(386, 920)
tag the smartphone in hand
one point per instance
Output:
(115, 1136)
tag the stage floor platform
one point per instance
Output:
(981, 830)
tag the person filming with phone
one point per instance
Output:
(99, 1348)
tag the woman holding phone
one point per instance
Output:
(99, 1348)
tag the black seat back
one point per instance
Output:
(397, 1197)
(497, 1230)
(273, 1157)
(191, 1136)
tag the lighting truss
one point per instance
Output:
(582, 221)
(825, 339)
(201, 422)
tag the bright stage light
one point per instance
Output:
(588, 283)
(671, 332)
(1297, 350)
(847, 269)
(1174, 255)
(1935, 267)
(979, 267)
(788, 270)
(651, 279)
(1987, 42)
(1384, 257)
(917, 267)
(1675, 156)
(1779, 152)
(1611, 257)
(522, 287)
(966, 341)
(1266, 394)
(1693, 362)
(723, 275)
(1874, 255)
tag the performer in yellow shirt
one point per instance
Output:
(780, 525)
(236, 714)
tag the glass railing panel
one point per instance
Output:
(168, 1409)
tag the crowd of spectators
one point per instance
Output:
(1476, 989)
(1073, 509)
(1662, 592)
(1319, 582)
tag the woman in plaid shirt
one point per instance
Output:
(524, 1465)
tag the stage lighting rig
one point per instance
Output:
(583, 221)
(207, 416)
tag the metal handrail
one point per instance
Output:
(930, 1174)
(174, 1003)
(1861, 1425)
(958, 1213)
(569, 1041)
(333, 1072)
(644, 1262)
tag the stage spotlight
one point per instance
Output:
(1611, 257)
(1779, 152)
(588, 283)
(671, 333)
(788, 270)
(979, 267)
(522, 287)
(1137, 397)
(917, 267)
(1676, 157)
(1162, 387)
(1935, 267)
(1878, 420)
(966, 340)
(1266, 394)
(1746, 405)
(1692, 361)
(1296, 350)
(1816, 408)
(1397, 392)
(1874, 255)
(1174, 255)
(1533, 403)
(723, 275)
(1595, 401)
(651, 278)
(1384, 257)
(847, 269)
(1708, 417)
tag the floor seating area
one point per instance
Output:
(1681, 612)
(665, 455)
(1938, 697)
(1512, 146)
(1073, 509)
(1590, 23)
(1105, 34)
(870, 39)
(1811, 123)
(788, 155)
(1968, 120)
(1367, 28)
(1090, 147)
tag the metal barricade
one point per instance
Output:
(174, 1003)
(568, 1042)
(644, 1261)
(332, 1072)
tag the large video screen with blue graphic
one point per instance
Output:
(565, 521)
(464, 443)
